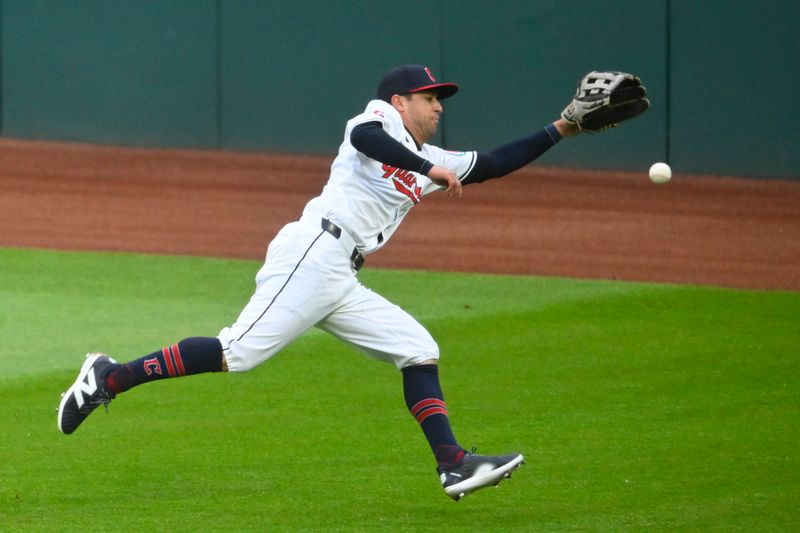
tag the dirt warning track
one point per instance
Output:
(540, 221)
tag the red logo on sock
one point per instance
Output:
(152, 365)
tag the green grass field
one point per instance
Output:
(639, 407)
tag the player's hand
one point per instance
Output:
(447, 179)
(566, 129)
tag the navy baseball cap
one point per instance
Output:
(413, 79)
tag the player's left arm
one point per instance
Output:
(514, 155)
(602, 101)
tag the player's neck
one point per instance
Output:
(415, 137)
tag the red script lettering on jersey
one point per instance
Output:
(404, 181)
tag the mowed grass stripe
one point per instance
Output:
(60, 305)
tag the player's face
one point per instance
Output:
(421, 112)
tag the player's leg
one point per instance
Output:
(195, 355)
(425, 401)
(386, 332)
(297, 288)
(300, 282)
(101, 378)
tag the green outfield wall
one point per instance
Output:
(286, 75)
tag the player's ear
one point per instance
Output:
(398, 102)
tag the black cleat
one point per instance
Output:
(86, 394)
(477, 472)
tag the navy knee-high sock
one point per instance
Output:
(425, 400)
(194, 355)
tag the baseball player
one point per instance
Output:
(309, 278)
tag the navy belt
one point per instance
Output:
(356, 259)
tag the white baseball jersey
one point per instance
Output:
(369, 199)
(308, 279)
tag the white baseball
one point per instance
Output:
(660, 173)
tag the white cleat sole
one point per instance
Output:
(484, 479)
(65, 396)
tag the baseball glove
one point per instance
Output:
(605, 99)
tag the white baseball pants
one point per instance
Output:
(307, 280)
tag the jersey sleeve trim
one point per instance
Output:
(473, 158)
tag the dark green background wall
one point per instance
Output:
(125, 72)
(286, 75)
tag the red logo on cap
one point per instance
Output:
(430, 75)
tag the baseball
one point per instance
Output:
(660, 173)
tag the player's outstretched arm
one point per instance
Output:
(602, 101)
(512, 156)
